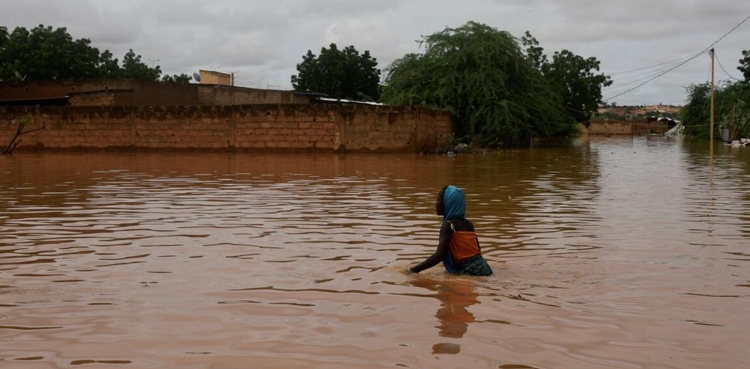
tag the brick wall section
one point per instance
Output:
(387, 128)
(246, 127)
(641, 128)
(101, 98)
(148, 93)
(608, 128)
(613, 128)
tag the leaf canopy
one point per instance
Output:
(47, 53)
(482, 76)
(341, 74)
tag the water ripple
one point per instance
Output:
(180, 259)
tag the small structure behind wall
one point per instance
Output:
(210, 77)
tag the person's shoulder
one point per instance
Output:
(462, 224)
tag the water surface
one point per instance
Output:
(608, 253)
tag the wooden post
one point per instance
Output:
(712, 101)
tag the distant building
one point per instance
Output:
(210, 77)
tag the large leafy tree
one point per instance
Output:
(343, 74)
(574, 77)
(134, 68)
(731, 111)
(534, 52)
(182, 78)
(46, 53)
(108, 68)
(695, 114)
(745, 65)
(3, 36)
(481, 75)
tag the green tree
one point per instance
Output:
(695, 114)
(3, 36)
(745, 65)
(108, 68)
(731, 109)
(45, 53)
(572, 76)
(534, 52)
(182, 78)
(481, 75)
(134, 68)
(342, 74)
(576, 80)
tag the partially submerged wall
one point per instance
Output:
(245, 127)
(614, 128)
(609, 128)
(643, 128)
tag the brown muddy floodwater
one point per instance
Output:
(608, 253)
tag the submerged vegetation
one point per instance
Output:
(731, 109)
(731, 106)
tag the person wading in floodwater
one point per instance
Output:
(458, 247)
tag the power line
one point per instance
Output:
(649, 73)
(682, 63)
(649, 67)
(617, 85)
(647, 76)
(722, 67)
(657, 76)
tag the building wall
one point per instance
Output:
(101, 98)
(246, 127)
(215, 78)
(147, 93)
(642, 128)
(610, 128)
(224, 95)
(46, 89)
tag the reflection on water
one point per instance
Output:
(455, 296)
(608, 253)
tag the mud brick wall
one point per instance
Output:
(101, 98)
(646, 128)
(606, 127)
(146, 93)
(385, 128)
(326, 127)
(87, 99)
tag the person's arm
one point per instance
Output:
(445, 239)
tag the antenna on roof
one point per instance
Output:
(18, 76)
(197, 77)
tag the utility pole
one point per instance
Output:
(734, 123)
(712, 102)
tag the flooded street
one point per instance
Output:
(608, 253)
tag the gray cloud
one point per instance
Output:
(262, 41)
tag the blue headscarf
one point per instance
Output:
(454, 206)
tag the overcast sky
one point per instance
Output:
(262, 41)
